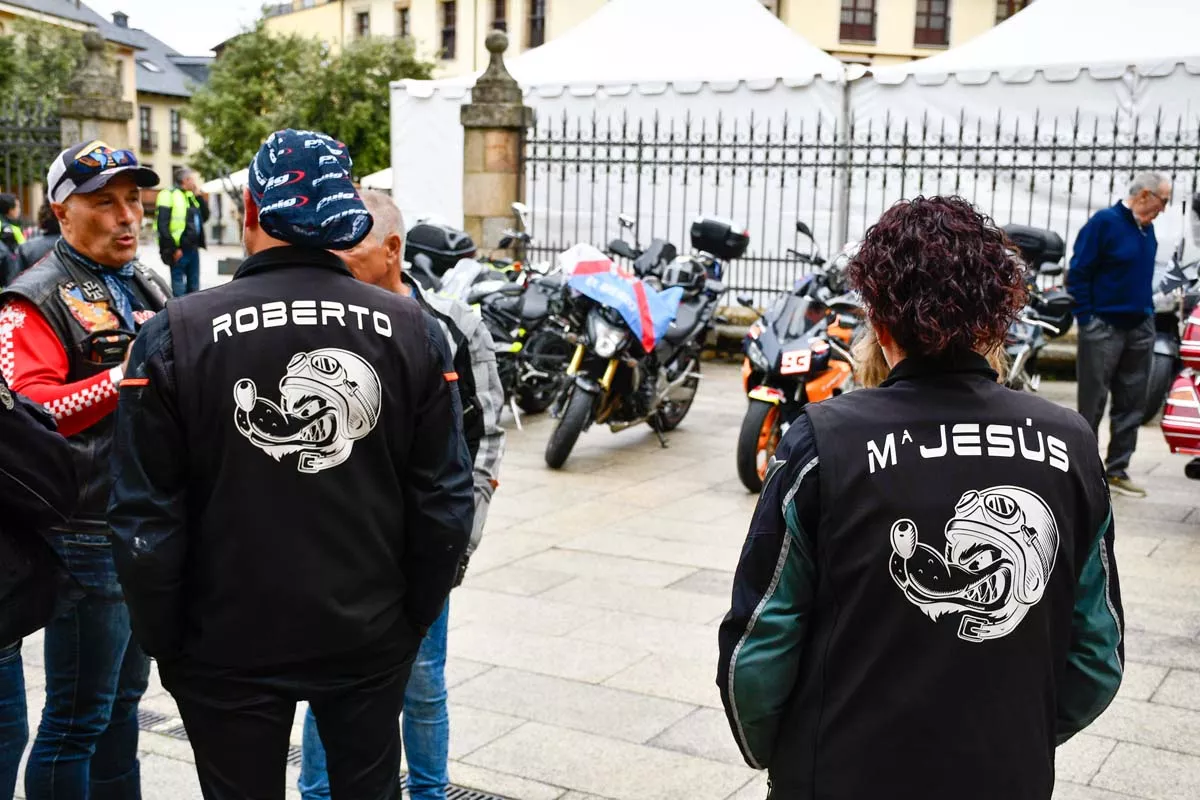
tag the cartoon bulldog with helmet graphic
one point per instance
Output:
(329, 399)
(1001, 547)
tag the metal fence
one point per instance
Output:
(768, 173)
(30, 138)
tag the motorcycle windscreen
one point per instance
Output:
(647, 312)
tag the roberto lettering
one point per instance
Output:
(301, 312)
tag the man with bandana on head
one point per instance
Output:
(65, 329)
(293, 490)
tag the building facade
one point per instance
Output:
(165, 80)
(452, 32)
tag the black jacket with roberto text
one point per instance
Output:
(927, 602)
(292, 481)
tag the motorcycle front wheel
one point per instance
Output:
(576, 415)
(762, 428)
(1158, 385)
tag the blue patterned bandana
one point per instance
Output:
(118, 281)
(300, 181)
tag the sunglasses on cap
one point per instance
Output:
(102, 157)
(88, 167)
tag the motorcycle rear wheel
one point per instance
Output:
(1158, 385)
(762, 428)
(549, 354)
(669, 417)
(575, 417)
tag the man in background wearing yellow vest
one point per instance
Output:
(179, 221)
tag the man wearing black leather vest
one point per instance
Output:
(927, 602)
(65, 329)
(293, 491)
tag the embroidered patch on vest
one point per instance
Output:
(92, 316)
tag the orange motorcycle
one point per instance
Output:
(797, 353)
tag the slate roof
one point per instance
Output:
(160, 68)
(79, 12)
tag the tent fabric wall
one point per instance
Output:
(427, 138)
(1122, 73)
(723, 59)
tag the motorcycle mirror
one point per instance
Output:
(803, 229)
(1049, 269)
(627, 220)
(745, 300)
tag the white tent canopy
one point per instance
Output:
(1060, 38)
(633, 60)
(379, 180)
(238, 180)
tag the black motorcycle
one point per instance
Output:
(622, 379)
(1048, 313)
(1174, 298)
(521, 305)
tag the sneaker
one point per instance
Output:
(1121, 484)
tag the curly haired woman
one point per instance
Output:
(927, 602)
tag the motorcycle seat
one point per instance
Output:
(482, 290)
(687, 319)
(536, 305)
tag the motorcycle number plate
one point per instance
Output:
(796, 362)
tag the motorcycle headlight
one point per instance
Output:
(607, 339)
(757, 357)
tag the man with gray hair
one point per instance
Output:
(1111, 279)
(179, 219)
(426, 731)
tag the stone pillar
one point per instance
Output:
(494, 126)
(92, 107)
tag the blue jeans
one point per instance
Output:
(86, 745)
(426, 727)
(185, 273)
(14, 720)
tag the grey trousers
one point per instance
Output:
(1111, 360)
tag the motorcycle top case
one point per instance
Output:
(720, 238)
(1189, 348)
(1037, 245)
(444, 245)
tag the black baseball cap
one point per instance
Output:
(89, 166)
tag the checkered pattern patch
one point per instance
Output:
(63, 407)
(10, 319)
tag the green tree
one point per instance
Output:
(352, 100)
(253, 89)
(37, 60)
(264, 82)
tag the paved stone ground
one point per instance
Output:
(583, 644)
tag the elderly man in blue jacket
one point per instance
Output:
(1112, 280)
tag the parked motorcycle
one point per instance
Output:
(1175, 297)
(1181, 418)
(797, 353)
(1049, 313)
(637, 355)
(520, 304)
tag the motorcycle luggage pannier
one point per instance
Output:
(444, 245)
(1189, 348)
(719, 237)
(1037, 245)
